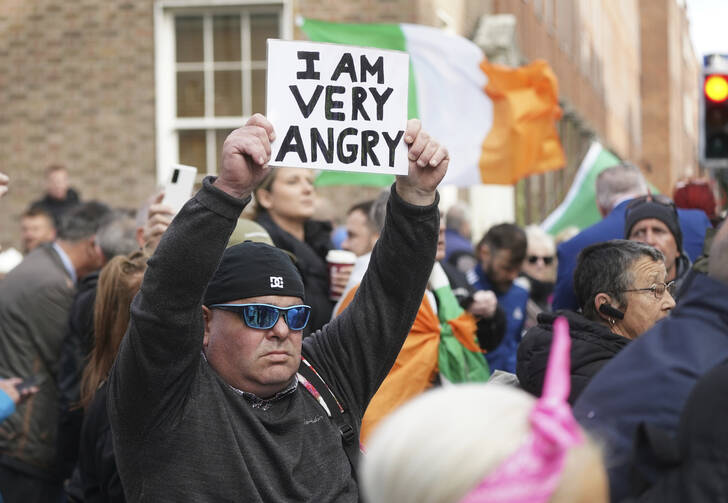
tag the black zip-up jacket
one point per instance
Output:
(592, 346)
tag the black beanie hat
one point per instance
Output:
(665, 213)
(253, 269)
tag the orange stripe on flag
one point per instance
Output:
(523, 139)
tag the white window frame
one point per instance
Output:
(167, 122)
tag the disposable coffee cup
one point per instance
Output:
(336, 260)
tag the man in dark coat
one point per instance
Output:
(693, 465)
(205, 398)
(118, 237)
(59, 196)
(649, 381)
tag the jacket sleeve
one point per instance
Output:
(72, 360)
(159, 354)
(490, 331)
(358, 348)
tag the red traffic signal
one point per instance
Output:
(716, 88)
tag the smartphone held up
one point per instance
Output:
(178, 188)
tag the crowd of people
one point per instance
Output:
(209, 356)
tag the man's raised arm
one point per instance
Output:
(359, 347)
(158, 356)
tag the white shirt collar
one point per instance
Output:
(66, 262)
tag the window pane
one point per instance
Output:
(228, 100)
(192, 151)
(262, 27)
(188, 36)
(190, 94)
(226, 38)
(258, 94)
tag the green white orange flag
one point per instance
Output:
(498, 123)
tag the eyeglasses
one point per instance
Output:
(265, 316)
(658, 289)
(547, 260)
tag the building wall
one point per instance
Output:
(655, 92)
(76, 88)
(593, 48)
(670, 87)
(363, 11)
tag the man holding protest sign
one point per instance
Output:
(205, 402)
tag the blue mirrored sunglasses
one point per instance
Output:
(265, 316)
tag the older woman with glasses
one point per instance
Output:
(623, 290)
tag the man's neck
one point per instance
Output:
(620, 200)
(77, 256)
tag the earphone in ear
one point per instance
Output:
(611, 311)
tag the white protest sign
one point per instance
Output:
(337, 107)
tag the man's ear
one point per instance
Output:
(206, 316)
(95, 253)
(264, 198)
(602, 210)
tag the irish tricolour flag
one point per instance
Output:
(498, 123)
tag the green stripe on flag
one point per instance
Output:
(381, 36)
(329, 178)
(582, 210)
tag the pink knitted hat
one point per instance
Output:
(533, 472)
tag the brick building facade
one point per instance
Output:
(670, 94)
(117, 90)
(76, 88)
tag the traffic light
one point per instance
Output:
(715, 123)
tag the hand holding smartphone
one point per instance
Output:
(178, 188)
(29, 385)
(19, 389)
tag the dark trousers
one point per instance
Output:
(19, 487)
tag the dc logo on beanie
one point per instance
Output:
(276, 281)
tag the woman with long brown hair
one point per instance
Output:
(118, 283)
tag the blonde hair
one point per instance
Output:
(535, 234)
(439, 446)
